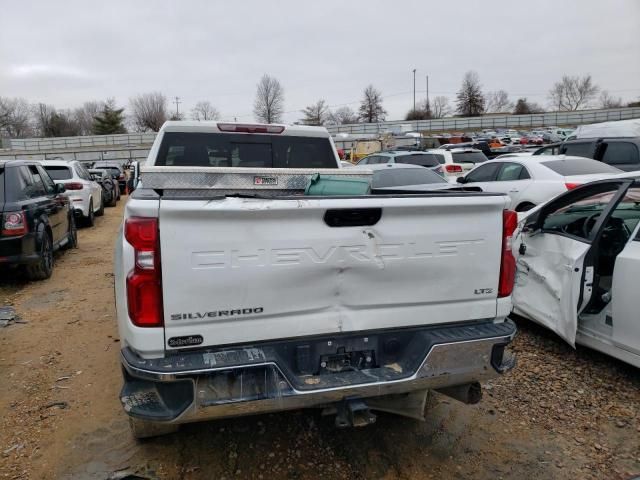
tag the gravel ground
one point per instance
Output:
(561, 414)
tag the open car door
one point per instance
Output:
(556, 255)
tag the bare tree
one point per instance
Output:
(607, 101)
(15, 117)
(53, 123)
(498, 102)
(204, 110)
(469, 98)
(269, 103)
(148, 111)
(343, 116)
(440, 107)
(85, 115)
(573, 93)
(315, 114)
(371, 110)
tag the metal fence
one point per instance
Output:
(129, 141)
(89, 141)
(86, 155)
(491, 121)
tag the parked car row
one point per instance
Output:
(40, 205)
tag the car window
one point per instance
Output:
(58, 172)
(578, 149)
(550, 150)
(377, 159)
(512, 171)
(78, 171)
(46, 179)
(422, 159)
(397, 177)
(83, 172)
(484, 173)
(469, 157)
(571, 218)
(579, 166)
(617, 153)
(37, 188)
(27, 187)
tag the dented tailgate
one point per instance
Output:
(242, 270)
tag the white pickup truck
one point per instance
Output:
(237, 294)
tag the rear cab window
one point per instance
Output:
(244, 150)
(569, 167)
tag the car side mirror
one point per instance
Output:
(461, 180)
(59, 188)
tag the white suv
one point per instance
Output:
(85, 195)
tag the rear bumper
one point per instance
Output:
(211, 384)
(18, 250)
(79, 203)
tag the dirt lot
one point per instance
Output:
(560, 414)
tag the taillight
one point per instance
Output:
(250, 128)
(571, 185)
(144, 281)
(73, 186)
(453, 168)
(507, 261)
(14, 224)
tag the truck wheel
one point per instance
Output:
(42, 269)
(145, 429)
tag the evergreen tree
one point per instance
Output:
(110, 120)
(470, 101)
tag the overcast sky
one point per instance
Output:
(67, 52)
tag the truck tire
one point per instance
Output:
(145, 429)
(43, 268)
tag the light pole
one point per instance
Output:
(427, 106)
(414, 89)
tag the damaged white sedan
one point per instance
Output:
(578, 264)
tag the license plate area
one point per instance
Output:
(344, 360)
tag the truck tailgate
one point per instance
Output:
(244, 270)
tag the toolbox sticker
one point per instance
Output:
(265, 180)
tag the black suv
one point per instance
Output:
(35, 218)
(619, 152)
(117, 172)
